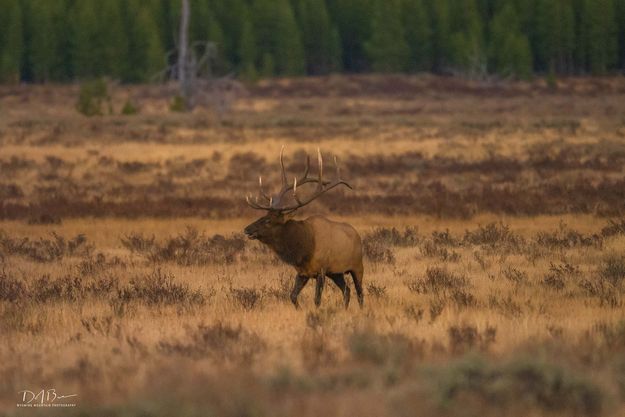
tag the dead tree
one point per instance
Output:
(183, 56)
(193, 69)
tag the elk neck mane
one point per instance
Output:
(293, 242)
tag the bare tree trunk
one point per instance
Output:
(183, 55)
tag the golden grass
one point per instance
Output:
(111, 360)
(520, 322)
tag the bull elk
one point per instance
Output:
(316, 247)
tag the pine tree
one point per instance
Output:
(319, 37)
(85, 39)
(154, 53)
(112, 42)
(418, 34)
(267, 66)
(204, 25)
(566, 47)
(466, 43)
(553, 35)
(335, 60)
(26, 52)
(619, 8)
(199, 18)
(387, 49)
(166, 17)
(99, 39)
(600, 41)
(233, 16)
(278, 37)
(353, 19)
(61, 40)
(439, 15)
(44, 42)
(10, 40)
(144, 55)
(510, 52)
(247, 49)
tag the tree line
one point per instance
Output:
(129, 40)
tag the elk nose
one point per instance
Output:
(249, 233)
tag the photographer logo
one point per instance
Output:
(45, 398)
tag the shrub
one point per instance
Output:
(376, 291)
(44, 218)
(613, 228)
(11, 289)
(372, 347)
(283, 290)
(605, 292)
(129, 108)
(241, 163)
(137, 243)
(437, 306)
(463, 298)
(444, 238)
(218, 341)
(465, 337)
(566, 237)
(17, 317)
(377, 251)
(433, 250)
(134, 167)
(320, 317)
(608, 337)
(47, 289)
(248, 298)
(98, 325)
(492, 235)
(558, 275)
(64, 288)
(415, 313)
(612, 269)
(95, 264)
(436, 280)
(521, 383)
(507, 306)
(188, 248)
(10, 191)
(514, 275)
(480, 258)
(157, 288)
(45, 250)
(178, 104)
(377, 244)
(92, 95)
(393, 237)
(316, 348)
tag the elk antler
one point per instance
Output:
(276, 201)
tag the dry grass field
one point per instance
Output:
(493, 220)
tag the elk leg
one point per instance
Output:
(357, 277)
(300, 283)
(319, 289)
(339, 280)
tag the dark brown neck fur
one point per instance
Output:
(293, 242)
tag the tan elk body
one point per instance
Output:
(316, 247)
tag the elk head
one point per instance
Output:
(278, 211)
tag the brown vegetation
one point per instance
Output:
(493, 225)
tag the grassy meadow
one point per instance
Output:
(493, 221)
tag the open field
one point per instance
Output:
(493, 218)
